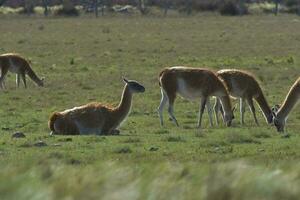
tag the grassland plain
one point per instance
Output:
(83, 60)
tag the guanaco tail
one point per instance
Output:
(193, 84)
(291, 100)
(243, 85)
(19, 65)
(95, 118)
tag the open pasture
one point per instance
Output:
(84, 59)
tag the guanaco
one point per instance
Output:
(193, 84)
(95, 118)
(291, 100)
(16, 64)
(243, 85)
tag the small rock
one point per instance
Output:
(286, 136)
(116, 132)
(40, 144)
(18, 135)
(41, 27)
(153, 148)
(65, 140)
(26, 145)
(56, 145)
(74, 162)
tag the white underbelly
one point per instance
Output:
(83, 130)
(187, 92)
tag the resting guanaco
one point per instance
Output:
(243, 85)
(95, 118)
(19, 65)
(291, 99)
(193, 84)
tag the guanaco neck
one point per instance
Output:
(225, 101)
(32, 75)
(290, 101)
(122, 110)
(264, 106)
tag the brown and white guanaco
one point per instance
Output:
(243, 85)
(95, 118)
(16, 64)
(193, 84)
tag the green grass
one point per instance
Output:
(83, 60)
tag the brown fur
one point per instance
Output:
(12, 61)
(54, 116)
(92, 118)
(290, 101)
(192, 80)
(242, 84)
(195, 77)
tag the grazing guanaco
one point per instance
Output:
(16, 64)
(193, 84)
(95, 118)
(243, 85)
(291, 99)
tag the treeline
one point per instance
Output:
(224, 7)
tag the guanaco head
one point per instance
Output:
(279, 124)
(228, 117)
(41, 82)
(271, 115)
(134, 86)
(275, 108)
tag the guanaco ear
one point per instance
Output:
(125, 80)
(275, 108)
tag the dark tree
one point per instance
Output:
(277, 6)
(45, 4)
(142, 7)
(96, 7)
(298, 8)
(166, 6)
(188, 6)
(2, 2)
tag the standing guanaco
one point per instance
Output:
(95, 118)
(16, 64)
(291, 99)
(193, 84)
(243, 85)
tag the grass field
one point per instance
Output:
(83, 60)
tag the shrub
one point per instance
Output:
(292, 6)
(206, 5)
(28, 7)
(8, 10)
(229, 8)
(67, 9)
(67, 12)
(291, 3)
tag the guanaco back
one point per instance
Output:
(16, 64)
